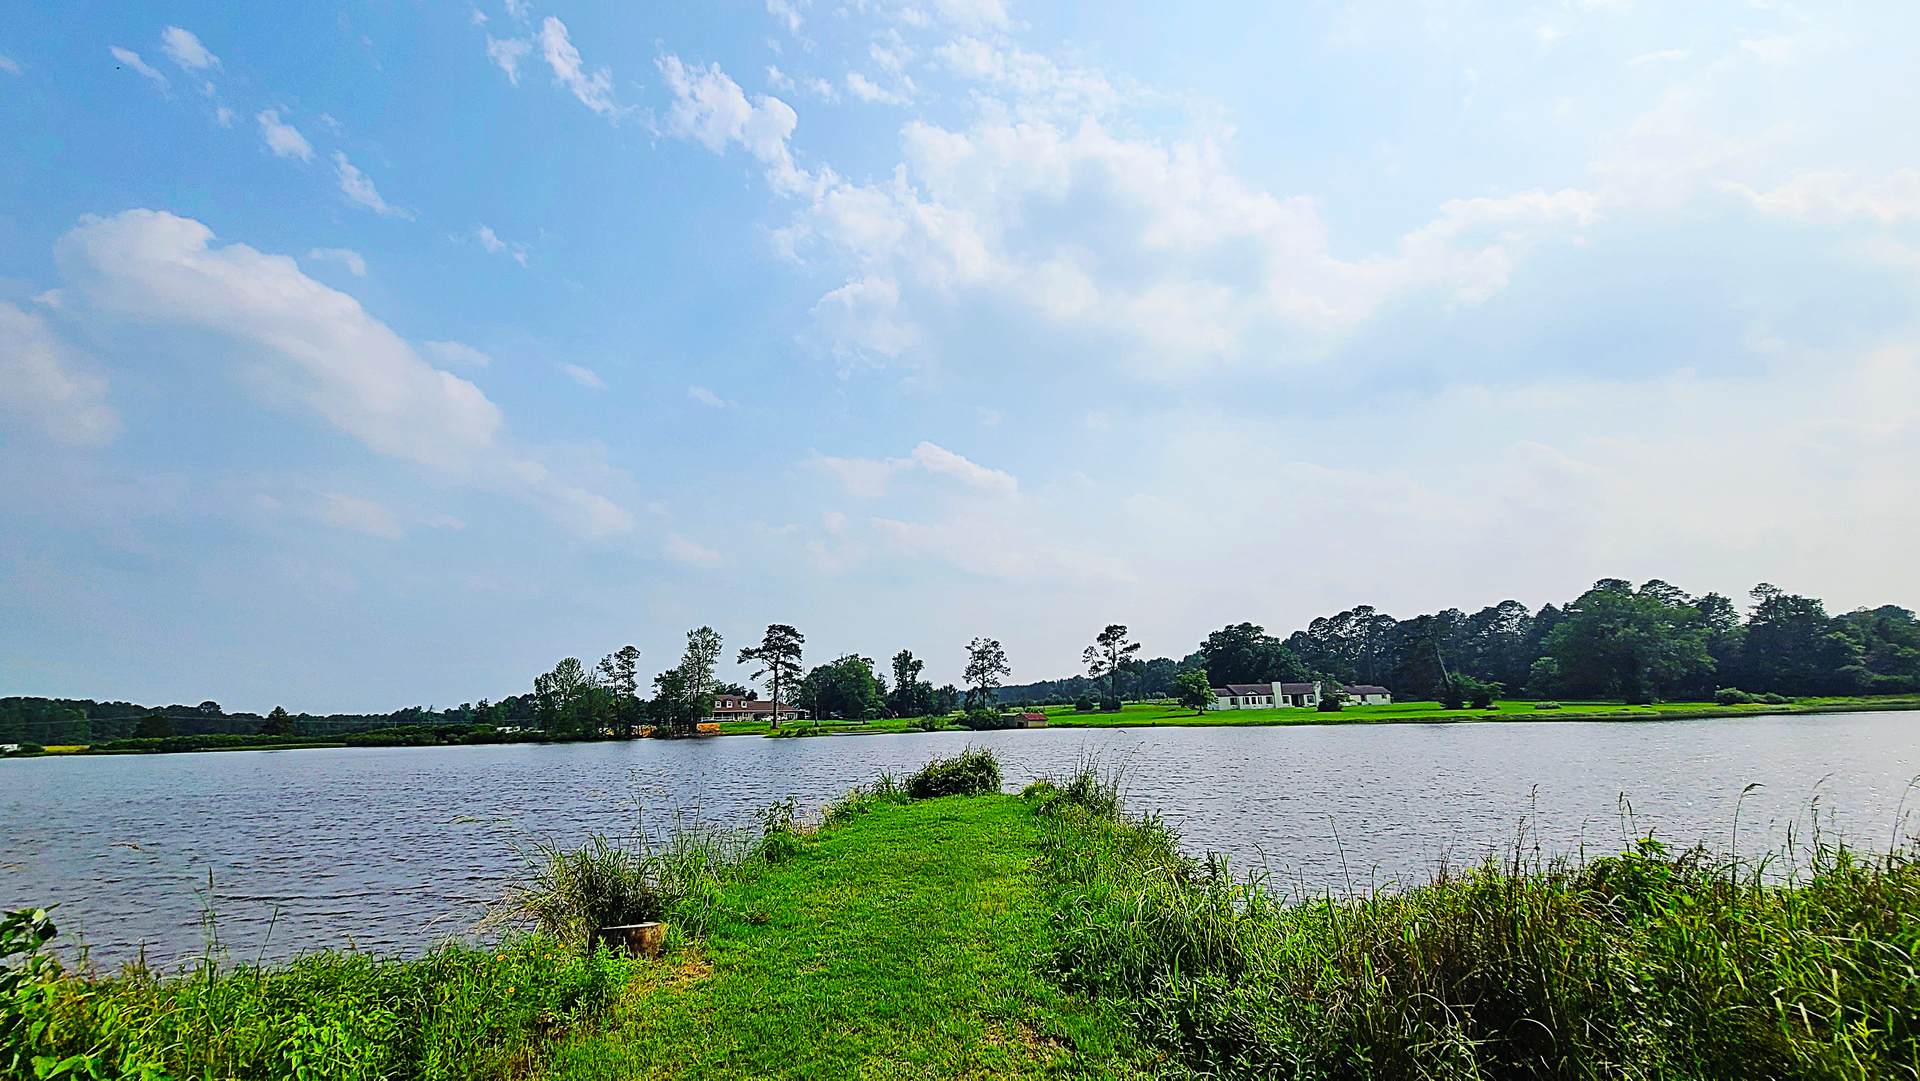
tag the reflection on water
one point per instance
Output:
(389, 849)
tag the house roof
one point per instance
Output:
(1364, 688)
(1296, 688)
(1033, 716)
(746, 705)
(1249, 688)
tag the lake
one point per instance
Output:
(387, 850)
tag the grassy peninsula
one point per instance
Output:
(934, 927)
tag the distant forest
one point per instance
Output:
(1615, 641)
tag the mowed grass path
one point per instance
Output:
(904, 943)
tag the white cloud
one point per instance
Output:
(862, 321)
(9, 65)
(710, 108)
(989, 417)
(583, 376)
(360, 515)
(185, 50)
(516, 8)
(778, 79)
(302, 342)
(821, 89)
(936, 459)
(595, 91)
(328, 122)
(787, 12)
(283, 138)
(506, 54)
(868, 478)
(132, 60)
(1834, 195)
(223, 116)
(494, 245)
(1211, 264)
(873, 93)
(706, 397)
(978, 14)
(43, 381)
(347, 257)
(680, 548)
(1772, 49)
(862, 476)
(457, 353)
(358, 188)
(476, 17)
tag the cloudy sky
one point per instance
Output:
(385, 353)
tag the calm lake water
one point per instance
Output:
(388, 850)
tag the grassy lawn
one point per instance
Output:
(1152, 715)
(901, 943)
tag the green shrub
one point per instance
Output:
(1775, 699)
(1731, 696)
(1546, 705)
(930, 723)
(985, 720)
(1083, 704)
(968, 773)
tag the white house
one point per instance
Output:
(732, 707)
(1292, 695)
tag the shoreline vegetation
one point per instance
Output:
(1130, 715)
(932, 926)
(1616, 647)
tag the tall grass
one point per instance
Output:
(459, 1012)
(972, 771)
(569, 893)
(1648, 964)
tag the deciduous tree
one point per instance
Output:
(986, 665)
(1193, 690)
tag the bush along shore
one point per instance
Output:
(930, 926)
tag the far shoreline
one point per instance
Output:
(1132, 716)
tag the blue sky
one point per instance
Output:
(384, 354)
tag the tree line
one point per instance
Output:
(1616, 640)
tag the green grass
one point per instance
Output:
(457, 1013)
(1648, 965)
(902, 941)
(1151, 715)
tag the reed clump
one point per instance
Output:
(1649, 964)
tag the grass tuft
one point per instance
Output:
(971, 772)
